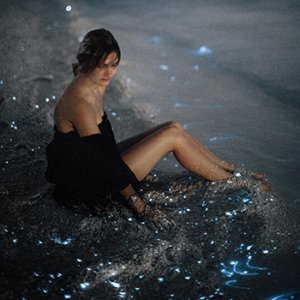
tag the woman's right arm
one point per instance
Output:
(154, 217)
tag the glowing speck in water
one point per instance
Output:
(13, 125)
(80, 39)
(172, 78)
(1, 82)
(160, 279)
(67, 296)
(128, 81)
(114, 284)
(84, 285)
(37, 106)
(265, 251)
(122, 294)
(163, 67)
(47, 99)
(68, 8)
(60, 241)
(14, 98)
(156, 39)
(202, 51)
(196, 67)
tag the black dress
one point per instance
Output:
(87, 169)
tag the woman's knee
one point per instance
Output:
(173, 129)
(173, 125)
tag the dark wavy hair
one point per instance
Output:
(94, 49)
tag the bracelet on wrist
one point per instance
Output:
(133, 198)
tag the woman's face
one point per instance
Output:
(105, 72)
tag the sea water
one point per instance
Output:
(229, 73)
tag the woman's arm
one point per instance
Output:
(133, 199)
(153, 216)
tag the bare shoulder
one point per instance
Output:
(74, 112)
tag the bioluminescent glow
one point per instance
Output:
(156, 39)
(202, 51)
(163, 67)
(288, 295)
(60, 241)
(114, 284)
(84, 285)
(235, 270)
(13, 125)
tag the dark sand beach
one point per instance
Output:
(229, 72)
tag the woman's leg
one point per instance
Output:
(128, 143)
(142, 156)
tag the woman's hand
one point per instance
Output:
(156, 219)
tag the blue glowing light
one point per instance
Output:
(114, 284)
(163, 67)
(122, 294)
(156, 39)
(243, 197)
(61, 241)
(286, 295)
(237, 270)
(231, 283)
(203, 51)
(84, 285)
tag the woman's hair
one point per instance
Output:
(94, 49)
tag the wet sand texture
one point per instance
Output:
(232, 241)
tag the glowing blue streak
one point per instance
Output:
(114, 284)
(254, 267)
(231, 283)
(284, 296)
(233, 270)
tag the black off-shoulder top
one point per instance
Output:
(87, 168)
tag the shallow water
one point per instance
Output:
(228, 72)
(203, 64)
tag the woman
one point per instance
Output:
(83, 159)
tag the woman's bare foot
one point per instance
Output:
(266, 185)
(259, 176)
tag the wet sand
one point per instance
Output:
(232, 241)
